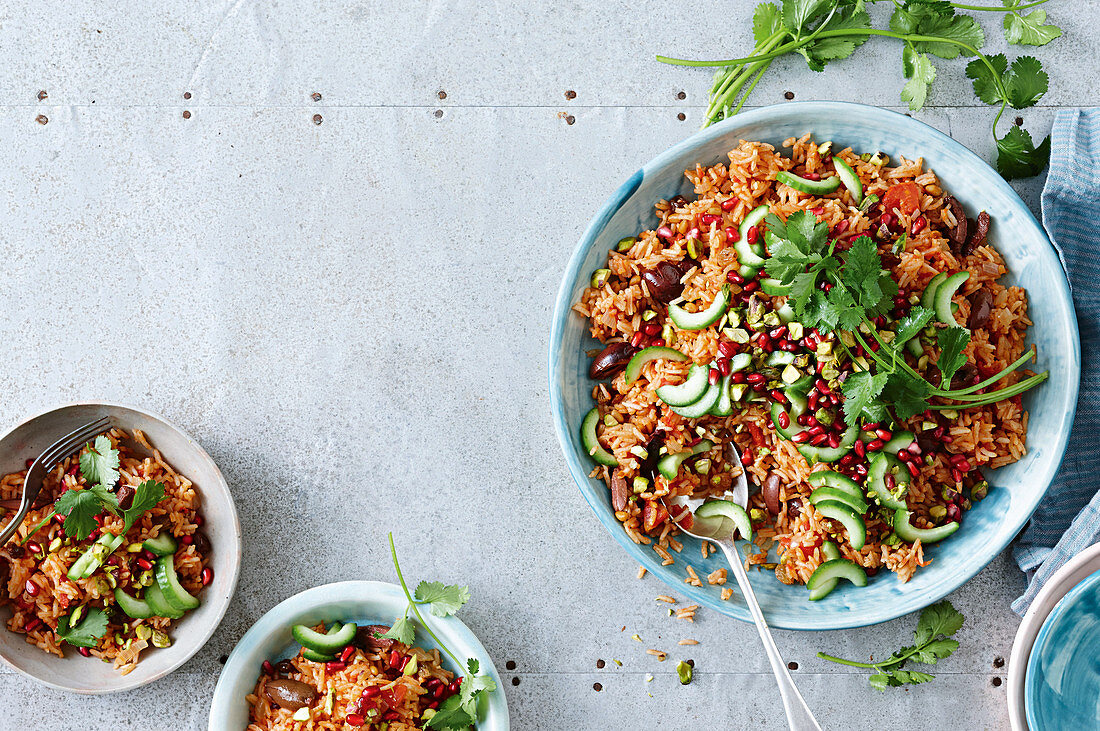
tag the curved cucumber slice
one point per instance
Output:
(162, 545)
(702, 406)
(830, 551)
(843, 514)
(750, 256)
(850, 179)
(669, 465)
(779, 357)
(729, 510)
(915, 348)
(740, 362)
(901, 440)
(841, 496)
(837, 481)
(689, 391)
(928, 297)
(775, 288)
(814, 455)
(94, 556)
(908, 533)
(135, 608)
(178, 597)
(698, 320)
(825, 577)
(816, 187)
(876, 480)
(944, 293)
(309, 654)
(798, 406)
(643, 356)
(786, 313)
(327, 644)
(592, 443)
(724, 407)
(159, 604)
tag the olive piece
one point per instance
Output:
(957, 235)
(619, 491)
(290, 694)
(369, 637)
(285, 667)
(981, 306)
(977, 236)
(663, 282)
(770, 490)
(125, 496)
(201, 543)
(794, 507)
(611, 360)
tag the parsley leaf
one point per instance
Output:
(1030, 29)
(402, 631)
(146, 496)
(443, 600)
(79, 507)
(860, 390)
(87, 632)
(1018, 157)
(767, 20)
(952, 342)
(920, 73)
(99, 463)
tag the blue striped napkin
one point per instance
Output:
(1068, 519)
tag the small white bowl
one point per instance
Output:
(91, 675)
(1060, 583)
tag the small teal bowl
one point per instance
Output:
(1062, 684)
(363, 602)
(1032, 263)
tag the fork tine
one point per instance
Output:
(67, 444)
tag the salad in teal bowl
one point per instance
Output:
(851, 308)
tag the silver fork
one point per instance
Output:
(799, 717)
(36, 475)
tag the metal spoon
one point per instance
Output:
(799, 716)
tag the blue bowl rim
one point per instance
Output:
(563, 307)
(275, 618)
(1043, 636)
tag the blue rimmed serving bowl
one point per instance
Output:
(1032, 262)
(362, 602)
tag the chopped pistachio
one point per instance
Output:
(865, 157)
(887, 336)
(922, 362)
(937, 511)
(639, 452)
(161, 639)
(302, 714)
(928, 425)
(54, 545)
(795, 330)
(134, 547)
(610, 420)
(824, 417)
(824, 147)
(146, 578)
(626, 242)
(734, 317)
(649, 677)
(737, 390)
(600, 277)
(980, 490)
(74, 618)
(790, 374)
(757, 515)
(112, 582)
(847, 338)
(702, 466)
(684, 671)
(330, 697)
(641, 484)
(410, 667)
(617, 662)
(716, 480)
(635, 637)
(738, 335)
(950, 414)
(668, 334)
(771, 319)
(830, 372)
(693, 252)
(964, 504)
(143, 632)
(892, 539)
(648, 315)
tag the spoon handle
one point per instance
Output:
(799, 716)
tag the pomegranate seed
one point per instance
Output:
(917, 226)
(834, 441)
(811, 400)
(874, 445)
(883, 434)
(746, 458)
(73, 469)
(395, 659)
(955, 458)
(32, 624)
(713, 375)
(727, 348)
(207, 576)
(455, 685)
(811, 420)
(85, 651)
(861, 452)
(800, 437)
(723, 366)
(391, 716)
(373, 690)
(658, 343)
(692, 234)
(347, 653)
(728, 204)
(887, 219)
(354, 719)
(963, 466)
(335, 667)
(439, 692)
(890, 481)
(778, 396)
(840, 228)
(198, 520)
(750, 286)
(822, 386)
(803, 420)
(784, 420)
(834, 399)
(847, 459)
(778, 333)
(269, 669)
(817, 429)
(732, 234)
(914, 448)
(953, 512)
(819, 440)
(664, 232)
(145, 563)
(817, 211)
(861, 470)
(812, 176)
(186, 540)
(738, 377)
(914, 470)
(709, 218)
(752, 235)
(947, 439)
(433, 705)
(637, 338)
(652, 328)
(29, 462)
(755, 378)
(903, 455)
(734, 278)
(32, 588)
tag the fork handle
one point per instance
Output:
(799, 717)
(9, 530)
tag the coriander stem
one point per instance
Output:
(752, 86)
(850, 663)
(412, 603)
(996, 9)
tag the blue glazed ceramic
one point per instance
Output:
(363, 602)
(1032, 263)
(1062, 685)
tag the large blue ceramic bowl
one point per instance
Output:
(1032, 263)
(1062, 685)
(363, 602)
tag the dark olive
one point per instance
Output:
(125, 497)
(653, 445)
(965, 376)
(957, 235)
(285, 667)
(678, 201)
(611, 360)
(977, 236)
(981, 305)
(370, 637)
(770, 490)
(794, 507)
(663, 282)
(290, 694)
(16, 551)
(619, 490)
(201, 543)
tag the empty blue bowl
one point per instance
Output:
(1062, 683)
(1032, 263)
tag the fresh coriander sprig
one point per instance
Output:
(931, 643)
(459, 711)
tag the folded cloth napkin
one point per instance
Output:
(1068, 519)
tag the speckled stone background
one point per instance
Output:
(347, 301)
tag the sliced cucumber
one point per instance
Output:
(724, 405)
(750, 256)
(829, 550)
(779, 357)
(814, 455)
(836, 480)
(729, 510)
(592, 443)
(327, 644)
(928, 298)
(824, 579)
(643, 356)
(841, 496)
(786, 313)
(159, 604)
(843, 514)
(715, 527)
(702, 406)
(669, 465)
(909, 534)
(698, 320)
(688, 392)
(94, 556)
(775, 288)
(309, 654)
(850, 179)
(740, 362)
(915, 348)
(876, 480)
(944, 293)
(134, 608)
(162, 545)
(805, 185)
(798, 407)
(170, 586)
(900, 440)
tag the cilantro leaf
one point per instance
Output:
(99, 463)
(1018, 157)
(451, 716)
(920, 73)
(911, 325)
(473, 665)
(822, 50)
(444, 600)
(860, 390)
(939, 619)
(87, 632)
(952, 342)
(935, 650)
(402, 631)
(915, 677)
(797, 14)
(471, 686)
(767, 20)
(1025, 82)
(79, 507)
(879, 681)
(802, 289)
(985, 82)
(146, 496)
(909, 395)
(862, 272)
(1030, 29)
(929, 20)
(849, 315)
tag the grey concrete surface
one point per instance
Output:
(351, 316)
